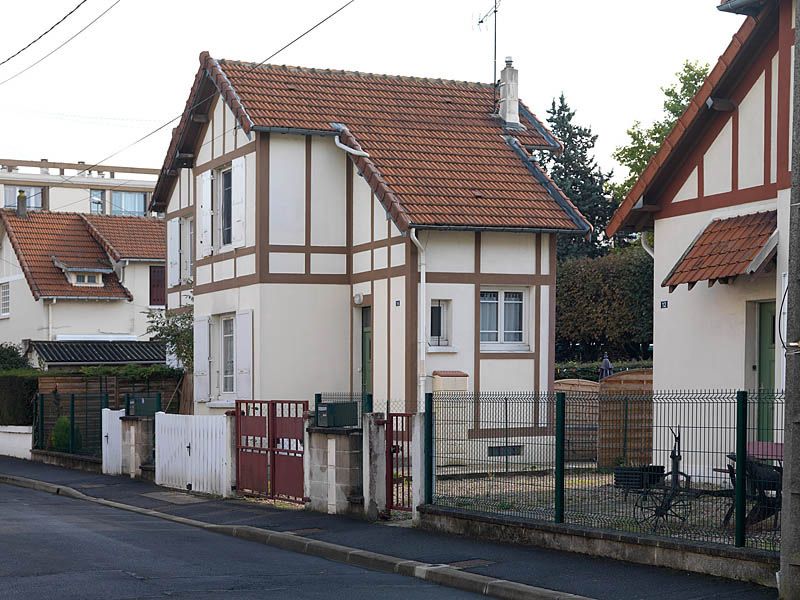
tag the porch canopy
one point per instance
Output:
(727, 248)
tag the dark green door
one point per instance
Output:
(766, 371)
(366, 349)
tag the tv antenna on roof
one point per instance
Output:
(492, 13)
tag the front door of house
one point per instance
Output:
(366, 349)
(766, 371)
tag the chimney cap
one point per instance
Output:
(509, 61)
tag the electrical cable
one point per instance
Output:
(57, 48)
(56, 24)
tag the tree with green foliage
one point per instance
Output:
(176, 330)
(645, 141)
(578, 175)
(605, 304)
(11, 357)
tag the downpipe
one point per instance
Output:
(421, 314)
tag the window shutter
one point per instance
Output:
(174, 251)
(238, 199)
(201, 360)
(244, 355)
(204, 239)
(158, 295)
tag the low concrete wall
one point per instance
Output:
(721, 561)
(16, 441)
(334, 477)
(70, 461)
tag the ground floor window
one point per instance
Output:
(5, 299)
(440, 323)
(228, 358)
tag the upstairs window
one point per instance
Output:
(34, 195)
(502, 319)
(88, 279)
(97, 202)
(158, 291)
(5, 299)
(128, 203)
(225, 206)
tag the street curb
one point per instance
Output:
(444, 575)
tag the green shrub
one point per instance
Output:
(591, 370)
(59, 438)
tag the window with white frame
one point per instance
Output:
(128, 203)
(5, 299)
(439, 334)
(190, 247)
(224, 205)
(502, 319)
(228, 354)
(87, 279)
(34, 195)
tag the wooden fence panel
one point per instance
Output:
(625, 420)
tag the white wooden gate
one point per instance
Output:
(112, 441)
(194, 452)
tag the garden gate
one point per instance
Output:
(269, 447)
(398, 461)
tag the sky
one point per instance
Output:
(131, 71)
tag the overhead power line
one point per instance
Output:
(56, 24)
(57, 48)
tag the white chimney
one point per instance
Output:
(509, 95)
(22, 205)
(44, 170)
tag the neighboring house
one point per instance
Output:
(323, 223)
(70, 187)
(86, 277)
(74, 354)
(717, 197)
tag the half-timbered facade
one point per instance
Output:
(339, 231)
(717, 197)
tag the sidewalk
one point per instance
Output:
(597, 578)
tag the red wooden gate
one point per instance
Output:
(398, 461)
(269, 448)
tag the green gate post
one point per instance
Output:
(317, 401)
(740, 492)
(561, 398)
(72, 423)
(41, 444)
(158, 401)
(103, 401)
(428, 448)
(366, 402)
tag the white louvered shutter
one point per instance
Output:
(201, 360)
(173, 252)
(244, 355)
(238, 200)
(204, 215)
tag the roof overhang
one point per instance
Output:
(742, 7)
(80, 268)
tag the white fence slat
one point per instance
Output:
(112, 441)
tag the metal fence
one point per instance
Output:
(702, 466)
(70, 423)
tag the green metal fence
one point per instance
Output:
(702, 466)
(69, 423)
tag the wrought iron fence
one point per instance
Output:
(702, 466)
(70, 423)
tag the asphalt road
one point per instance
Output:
(54, 547)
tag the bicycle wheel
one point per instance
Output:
(661, 509)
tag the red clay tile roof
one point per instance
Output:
(142, 238)
(437, 155)
(696, 110)
(725, 249)
(44, 238)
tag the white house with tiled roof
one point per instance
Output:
(347, 232)
(69, 276)
(717, 197)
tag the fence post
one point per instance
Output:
(740, 491)
(366, 403)
(561, 398)
(72, 423)
(41, 445)
(428, 448)
(317, 401)
(158, 401)
(103, 401)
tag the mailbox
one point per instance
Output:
(337, 414)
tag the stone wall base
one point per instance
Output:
(70, 461)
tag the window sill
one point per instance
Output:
(221, 404)
(442, 350)
(7, 316)
(504, 348)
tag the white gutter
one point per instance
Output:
(348, 149)
(646, 245)
(421, 313)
